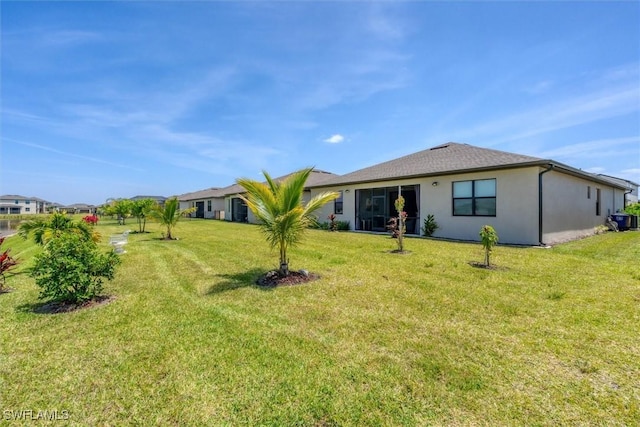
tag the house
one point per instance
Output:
(79, 208)
(238, 211)
(528, 200)
(225, 203)
(631, 193)
(209, 203)
(21, 205)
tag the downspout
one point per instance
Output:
(624, 198)
(550, 167)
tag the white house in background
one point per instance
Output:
(21, 205)
(528, 200)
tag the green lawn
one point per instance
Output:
(551, 337)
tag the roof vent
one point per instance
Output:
(439, 147)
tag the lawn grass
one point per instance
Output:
(550, 337)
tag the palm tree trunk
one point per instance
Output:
(284, 263)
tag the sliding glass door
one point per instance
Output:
(376, 206)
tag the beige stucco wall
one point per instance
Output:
(217, 204)
(568, 212)
(516, 219)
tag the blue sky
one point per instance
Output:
(103, 99)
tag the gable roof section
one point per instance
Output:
(448, 158)
(208, 193)
(316, 178)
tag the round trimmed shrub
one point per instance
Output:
(71, 269)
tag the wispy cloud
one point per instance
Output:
(334, 139)
(592, 107)
(60, 38)
(74, 155)
(593, 148)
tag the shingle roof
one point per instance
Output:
(207, 193)
(316, 177)
(617, 180)
(445, 158)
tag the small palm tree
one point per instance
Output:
(279, 208)
(169, 214)
(55, 225)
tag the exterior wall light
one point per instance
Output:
(434, 183)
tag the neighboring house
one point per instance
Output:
(21, 205)
(79, 208)
(54, 207)
(631, 192)
(528, 200)
(237, 209)
(209, 203)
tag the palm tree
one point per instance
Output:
(54, 226)
(169, 214)
(280, 210)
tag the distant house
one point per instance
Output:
(528, 200)
(209, 203)
(21, 205)
(79, 208)
(631, 192)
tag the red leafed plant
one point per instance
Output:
(90, 219)
(6, 263)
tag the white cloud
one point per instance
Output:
(335, 139)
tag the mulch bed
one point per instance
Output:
(484, 267)
(272, 278)
(65, 307)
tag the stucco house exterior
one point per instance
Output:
(631, 192)
(21, 205)
(209, 203)
(528, 200)
(226, 204)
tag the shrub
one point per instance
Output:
(430, 226)
(55, 225)
(633, 209)
(90, 219)
(343, 225)
(489, 238)
(71, 269)
(6, 263)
